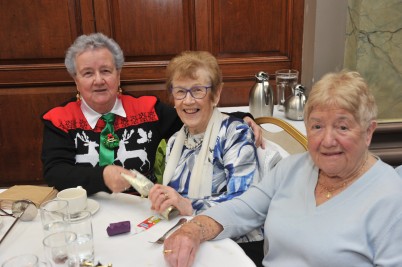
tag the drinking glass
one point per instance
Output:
(286, 79)
(81, 224)
(24, 260)
(54, 215)
(60, 249)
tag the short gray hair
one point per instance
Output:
(347, 90)
(91, 42)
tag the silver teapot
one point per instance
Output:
(261, 98)
(294, 105)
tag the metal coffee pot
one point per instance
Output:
(261, 98)
(294, 105)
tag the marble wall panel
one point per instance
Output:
(374, 48)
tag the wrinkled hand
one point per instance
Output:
(257, 131)
(113, 179)
(162, 197)
(180, 248)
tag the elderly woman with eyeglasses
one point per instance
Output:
(91, 140)
(213, 157)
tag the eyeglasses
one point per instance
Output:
(197, 92)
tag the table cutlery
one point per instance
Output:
(5, 213)
(24, 210)
(163, 237)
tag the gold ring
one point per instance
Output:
(166, 251)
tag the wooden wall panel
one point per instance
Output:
(152, 30)
(202, 23)
(28, 35)
(21, 131)
(34, 36)
(253, 36)
(255, 28)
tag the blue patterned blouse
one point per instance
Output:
(234, 160)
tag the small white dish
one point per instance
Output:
(92, 206)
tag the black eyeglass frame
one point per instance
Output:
(190, 91)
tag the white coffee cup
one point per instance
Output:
(76, 197)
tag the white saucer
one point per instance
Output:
(92, 206)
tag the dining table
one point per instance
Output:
(298, 124)
(134, 248)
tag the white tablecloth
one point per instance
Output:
(122, 250)
(279, 114)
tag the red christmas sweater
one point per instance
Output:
(70, 151)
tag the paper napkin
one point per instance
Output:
(37, 194)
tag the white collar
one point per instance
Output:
(92, 116)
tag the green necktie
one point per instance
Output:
(108, 141)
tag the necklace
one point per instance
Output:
(193, 141)
(328, 190)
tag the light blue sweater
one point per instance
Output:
(399, 170)
(361, 226)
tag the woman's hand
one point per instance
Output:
(181, 247)
(113, 180)
(162, 197)
(257, 131)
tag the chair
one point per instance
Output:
(278, 145)
(290, 139)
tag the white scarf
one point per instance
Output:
(202, 172)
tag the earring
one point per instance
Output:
(120, 91)
(78, 96)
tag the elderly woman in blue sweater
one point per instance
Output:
(334, 205)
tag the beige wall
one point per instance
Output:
(324, 38)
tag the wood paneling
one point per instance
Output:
(34, 36)
(242, 27)
(245, 36)
(36, 31)
(21, 131)
(152, 30)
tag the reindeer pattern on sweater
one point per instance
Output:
(70, 142)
